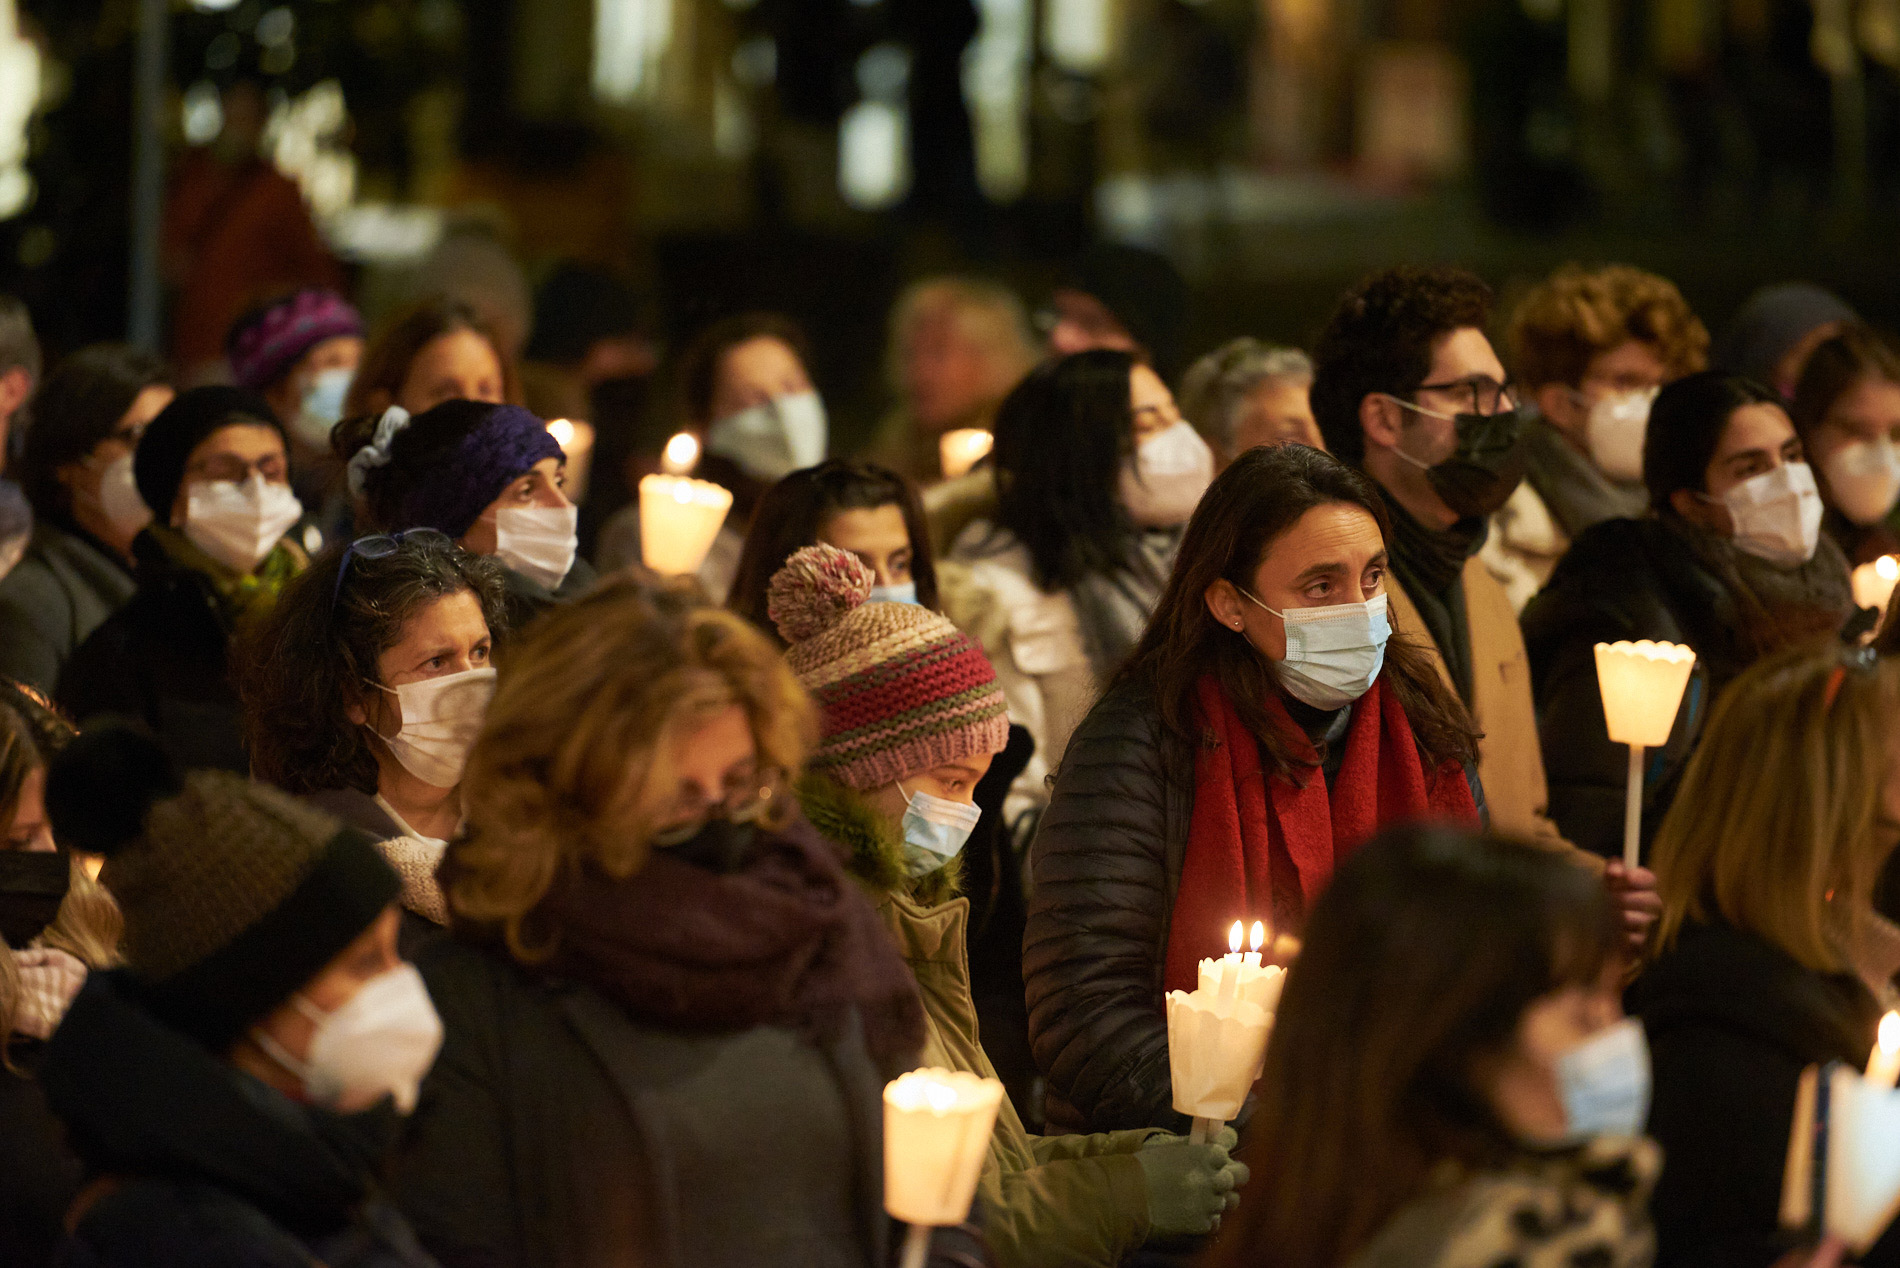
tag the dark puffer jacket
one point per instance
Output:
(1104, 867)
(1732, 1020)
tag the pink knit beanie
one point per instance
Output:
(900, 689)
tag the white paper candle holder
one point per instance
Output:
(679, 518)
(937, 1126)
(1642, 685)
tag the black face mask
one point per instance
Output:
(32, 886)
(1487, 466)
(721, 846)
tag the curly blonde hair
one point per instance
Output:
(1576, 315)
(575, 760)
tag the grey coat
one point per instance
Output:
(61, 591)
(555, 1129)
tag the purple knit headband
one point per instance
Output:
(495, 453)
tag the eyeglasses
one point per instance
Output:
(1484, 395)
(746, 804)
(382, 546)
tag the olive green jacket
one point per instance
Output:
(1048, 1201)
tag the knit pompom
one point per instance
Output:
(818, 587)
(100, 787)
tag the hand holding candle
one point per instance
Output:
(937, 1126)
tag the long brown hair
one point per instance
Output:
(1777, 823)
(1419, 962)
(1258, 498)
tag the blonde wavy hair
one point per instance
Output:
(1779, 818)
(575, 759)
(1576, 315)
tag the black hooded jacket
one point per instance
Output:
(193, 1162)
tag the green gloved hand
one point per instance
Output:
(1189, 1186)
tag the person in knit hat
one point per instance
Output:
(230, 1090)
(910, 716)
(300, 353)
(214, 469)
(489, 476)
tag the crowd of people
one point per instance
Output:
(400, 872)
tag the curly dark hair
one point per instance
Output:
(1380, 339)
(316, 654)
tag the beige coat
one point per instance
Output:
(1510, 763)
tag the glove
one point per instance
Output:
(1190, 1186)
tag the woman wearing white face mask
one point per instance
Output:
(490, 477)
(1451, 1080)
(745, 389)
(366, 688)
(912, 715)
(1730, 562)
(1847, 410)
(233, 1089)
(213, 468)
(1269, 722)
(1096, 474)
(77, 473)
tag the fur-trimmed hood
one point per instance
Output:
(874, 849)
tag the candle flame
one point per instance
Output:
(562, 431)
(683, 492)
(1233, 938)
(1257, 936)
(681, 452)
(1887, 568)
(1890, 1034)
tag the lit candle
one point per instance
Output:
(1883, 1064)
(1242, 974)
(576, 439)
(937, 1126)
(681, 454)
(1230, 967)
(961, 449)
(1874, 582)
(679, 518)
(1256, 937)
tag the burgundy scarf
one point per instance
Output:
(787, 940)
(1260, 850)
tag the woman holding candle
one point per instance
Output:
(670, 1015)
(1770, 955)
(1730, 562)
(1268, 723)
(747, 394)
(1451, 1080)
(488, 476)
(365, 689)
(1847, 410)
(912, 716)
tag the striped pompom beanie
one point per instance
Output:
(900, 689)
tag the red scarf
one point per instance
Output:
(1260, 851)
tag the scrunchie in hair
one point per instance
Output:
(376, 452)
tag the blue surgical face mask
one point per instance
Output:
(322, 406)
(905, 592)
(935, 831)
(1604, 1083)
(1333, 654)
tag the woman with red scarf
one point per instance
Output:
(1270, 721)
